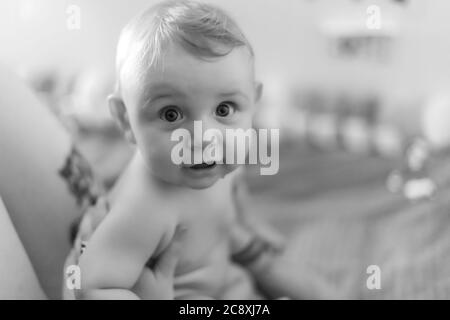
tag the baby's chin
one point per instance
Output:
(190, 183)
(180, 177)
(200, 185)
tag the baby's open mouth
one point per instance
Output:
(203, 165)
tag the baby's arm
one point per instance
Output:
(118, 251)
(261, 250)
(255, 244)
(250, 227)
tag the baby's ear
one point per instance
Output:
(258, 91)
(120, 115)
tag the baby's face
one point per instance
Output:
(219, 92)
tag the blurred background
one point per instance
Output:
(360, 91)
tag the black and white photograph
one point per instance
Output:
(238, 150)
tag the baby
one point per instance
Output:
(177, 62)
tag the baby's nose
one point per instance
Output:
(202, 143)
(203, 140)
(202, 135)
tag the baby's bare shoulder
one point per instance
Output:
(134, 201)
(136, 219)
(142, 216)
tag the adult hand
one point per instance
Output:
(157, 283)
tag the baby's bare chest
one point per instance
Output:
(205, 233)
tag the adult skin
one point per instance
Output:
(17, 277)
(33, 148)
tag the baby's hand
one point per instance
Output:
(253, 240)
(284, 274)
(272, 237)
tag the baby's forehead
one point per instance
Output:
(183, 71)
(177, 61)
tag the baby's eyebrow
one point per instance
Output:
(159, 91)
(234, 93)
(154, 97)
(160, 96)
(165, 90)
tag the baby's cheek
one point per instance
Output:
(161, 147)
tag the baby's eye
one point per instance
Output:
(170, 114)
(225, 109)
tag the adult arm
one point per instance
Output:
(17, 277)
(33, 149)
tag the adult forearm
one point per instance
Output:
(107, 294)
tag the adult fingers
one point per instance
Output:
(167, 261)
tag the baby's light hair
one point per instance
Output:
(201, 29)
